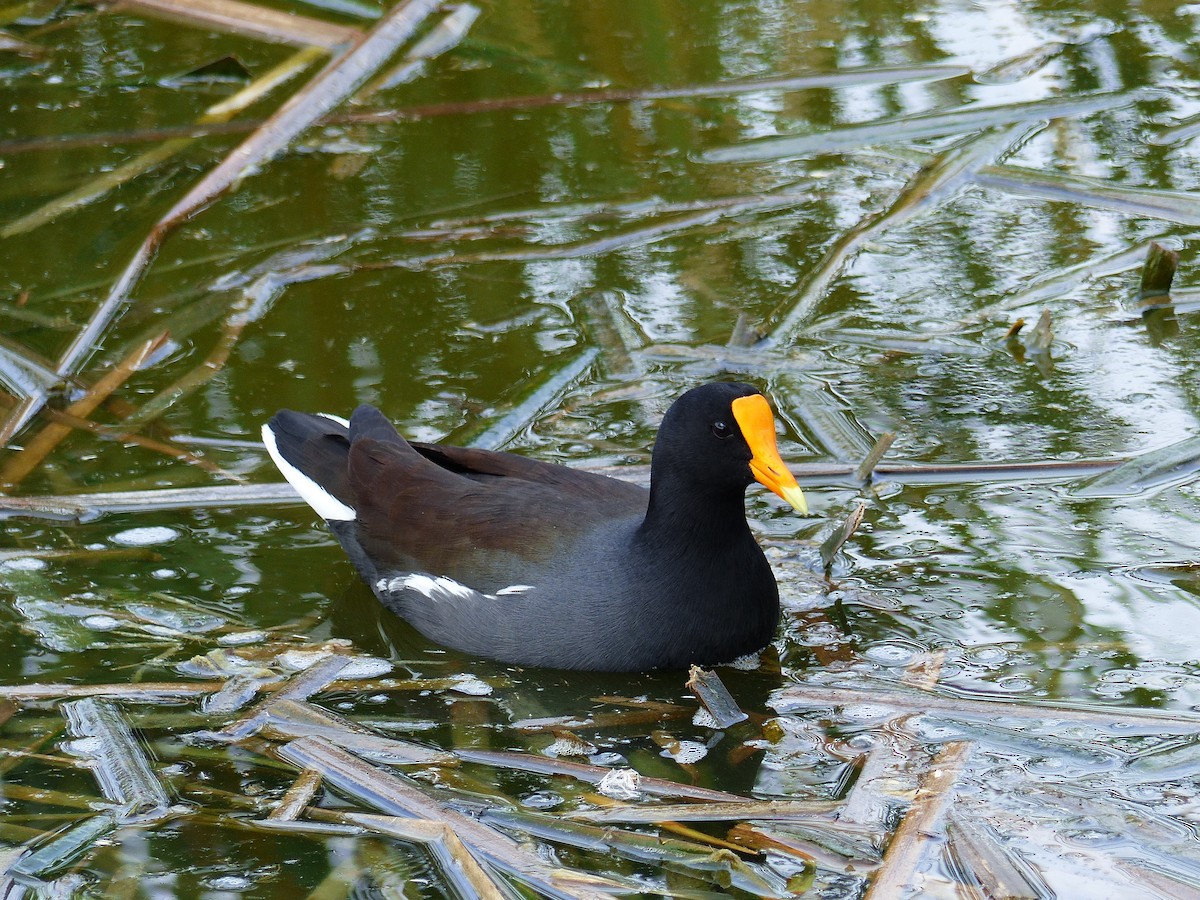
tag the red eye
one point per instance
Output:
(721, 430)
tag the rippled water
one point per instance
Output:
(447, 263)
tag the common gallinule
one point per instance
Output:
(526, 562)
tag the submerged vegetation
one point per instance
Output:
(953, 244)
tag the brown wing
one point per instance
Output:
(445, 509)
(483, 465)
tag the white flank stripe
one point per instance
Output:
(345, 423)
(514, 589)
(439, 588)
(326, 505)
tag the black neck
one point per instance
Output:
(697, 514)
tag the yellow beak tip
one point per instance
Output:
(795, 497)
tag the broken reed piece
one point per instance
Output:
(395, 795)
(121, 767)
(63, 850)
(291, 719)
(252, 20)
(818, 811)
(159, 692)
(921, 825)
(1164, 883)
(896, 753)
(882, 445)
(591, 774)
(1173, 463)
(715, 698)
(447, 34)
(978, 852)
(453, 858)
(52, 797)
(986, 707)
(744, 334)
(698, 860)
(1042, 335)
(311, 681)
(609, 327)
(832, 544)
(1158, 273)
(43, 443)
(298, 796)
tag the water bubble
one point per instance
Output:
(608, 758)
(621, 784)
(23, 564)
(542, 800)
(470, 685)
(570, 745)
(867, 712)
(685, 752)
(988, 656)
(1091, 836)
(1017, 684)
(231, 883)
(145, 536)
(240, 638)
(889, 654)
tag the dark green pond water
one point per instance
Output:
(572, 206)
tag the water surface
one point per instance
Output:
(475, 250)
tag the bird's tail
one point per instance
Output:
(311, 451)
